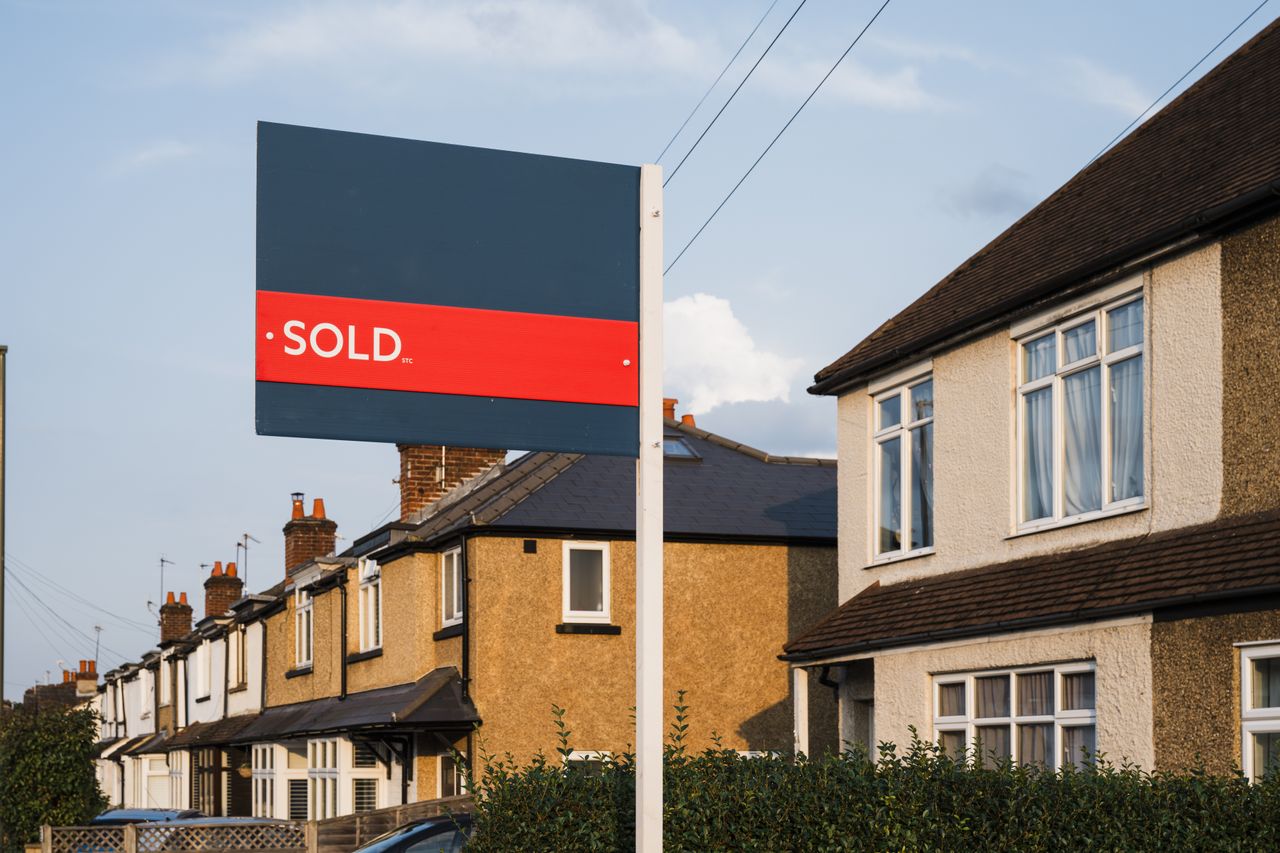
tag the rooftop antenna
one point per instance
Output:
(97, 643)
(245, 539)
(163, 562)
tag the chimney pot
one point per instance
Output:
(317, 508)
(231, 570)
(182, 598)
(170, 599)
(688, 421)
(669, 408)
(297, 505)
(217, 569)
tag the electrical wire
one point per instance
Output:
(734, 94)
(768, 147)
(712, 87)
(33, 574)
(92, 641)
(1212, 50)
(57, 648)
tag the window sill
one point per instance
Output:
(900, 558)
(368, 654)
(201, 699)
(588, 628)
(299, 671)
(448, 631)
(1079, 519)
(239, 688)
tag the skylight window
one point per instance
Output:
(678, 448)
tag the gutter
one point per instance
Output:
(1192, 230)
(342, 649)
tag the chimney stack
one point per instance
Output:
(669, 408)
(428, 472)
(175, 619)
(307, 536)
(221, 589)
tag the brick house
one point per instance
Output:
(1059, 481)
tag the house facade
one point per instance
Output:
(1059, 505)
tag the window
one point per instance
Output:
(1039, 716)
(322, 778)
(364, 795)
(237, 659)
(677, 448)
(451, 587)
(297, 799)
(302, 627)
(903, 449)
(204, 675)
(165, 674)
(1260, 708)
(1080, 416)
(586, 582)
(453, 782)
(264, 780)
(370, 604)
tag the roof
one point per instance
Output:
(434, 701)
(1209, 158)
(1221, 560)
(212, 733)
(728, 491)
(142, 745)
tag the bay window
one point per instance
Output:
(903, 460)
(322, 778)
(1036, 716)
(1080, 416)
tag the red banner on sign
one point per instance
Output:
(398, 346)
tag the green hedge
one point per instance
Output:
(917, 800)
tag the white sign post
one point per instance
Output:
(650, 699)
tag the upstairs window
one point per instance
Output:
(1080, 404)
(903, 449)
(165, 674)
(586, 582)
(204, 674)
(451, 587)
(237, 658)
(302, 628)
(370, 604)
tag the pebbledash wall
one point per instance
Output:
(1220, 301)
(728, 610)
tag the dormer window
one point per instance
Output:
(1080, 402)
(903, 460)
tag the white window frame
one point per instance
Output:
(460, 777)
(451, 610)
(594, 616)
(374, 774)
(204, 675)
(323, 776)
(164, 675)
(1104, 358)
(370, 605)
(303, 627)
(902, 431)
(586, 756)
(1254, 721)
(263, 773)
(237, 657)
(1060, 718)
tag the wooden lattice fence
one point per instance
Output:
(276, 837)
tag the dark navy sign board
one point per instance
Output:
(417, 292)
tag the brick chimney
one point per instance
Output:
(175, 619)
(308, 536)
(221, 589)
(428, 472)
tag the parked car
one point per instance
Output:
(443, 834)
(119, 817)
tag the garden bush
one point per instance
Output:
(916, 799)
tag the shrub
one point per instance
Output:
(46, 772)
(919, 799)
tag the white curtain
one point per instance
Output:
(1126, 429)
(1038, 466)
(1082, 398)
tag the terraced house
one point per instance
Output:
(367, 678)
(1059, 476)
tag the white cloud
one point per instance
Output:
(896, 90)
(711, 359)
(926, 51)
(1091, 82)
(372, 39)
(154, 153)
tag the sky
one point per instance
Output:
(127, 165)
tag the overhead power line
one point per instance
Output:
(33, 574)
(775, 139)
(734, 94)
(715, 83)
(1200, 62)
(60, 618)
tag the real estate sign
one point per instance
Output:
(418, 292)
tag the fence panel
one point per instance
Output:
(276, 837)
(85, 839)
